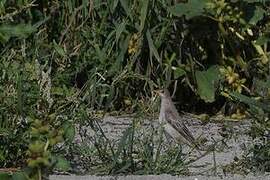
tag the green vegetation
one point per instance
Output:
(63, 60)
(139, 151)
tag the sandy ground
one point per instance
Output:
(230, 139)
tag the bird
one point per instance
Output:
(170, 119)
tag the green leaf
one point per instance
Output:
(5, 176)
(190, 9)
(58, 91)
(123, 142)
(206, 82)
(38, 24)
(260, 51)
(114, 69)
(61, 163)
(69, 131)
(262, 40)
(18, 31)
(4, 131)
(100, 53)
(152, 47)
(59, 49)
(143, 14)
(4, 38)
(19, 176)
(126, 6)
(250, 101)
(257, 15)
(119, 29)
(114, 5)
(178, 72)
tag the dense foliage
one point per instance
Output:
(62, 59)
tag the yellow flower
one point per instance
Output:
(238, 115)
(238, 85)
(133, 44)
(233, 79)
(230, 75)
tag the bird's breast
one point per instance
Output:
(161, 118)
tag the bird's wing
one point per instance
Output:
(174, 120)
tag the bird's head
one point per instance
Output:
(163, 93)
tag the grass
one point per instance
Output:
(61, 60)
(140, 147)
(140, 150)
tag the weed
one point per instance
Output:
(139, 150)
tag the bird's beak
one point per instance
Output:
(157, 92)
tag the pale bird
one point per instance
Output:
(173, 124)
